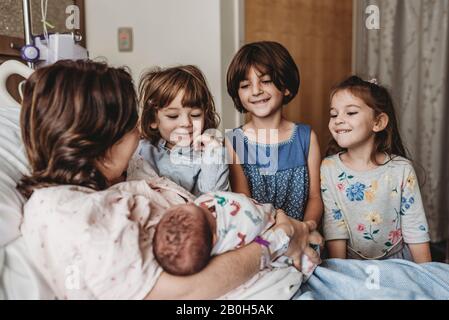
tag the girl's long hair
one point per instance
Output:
(72, 113)
(377, 98)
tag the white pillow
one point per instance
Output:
(19, 278)
(13, 164)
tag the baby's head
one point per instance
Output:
(184, 239)
(176, 105)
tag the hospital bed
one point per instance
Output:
(18, 277)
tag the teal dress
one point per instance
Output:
(276, 173)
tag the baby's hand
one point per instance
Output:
(307, 266)
(316, 239)
(316, 244)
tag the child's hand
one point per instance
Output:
(206, 142)
(212, 151)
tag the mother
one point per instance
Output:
(88, 237)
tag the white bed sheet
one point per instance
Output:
(13, 165)
(18, 277)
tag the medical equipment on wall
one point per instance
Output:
(59, 46)
(48, 48)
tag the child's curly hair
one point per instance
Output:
(72, 113)
(159, 87)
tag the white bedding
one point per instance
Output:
(13, 165)
(18, 277)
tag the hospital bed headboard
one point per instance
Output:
(8, 69)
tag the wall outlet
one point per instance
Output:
(125, 39)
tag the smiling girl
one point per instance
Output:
(373, 207)
(273, 160)
(177, 113)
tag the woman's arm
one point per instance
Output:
(229, 270)
(224, 273)
(237, 177)
(337, 248)
(420, 252)
(298, 243)
(314, 209)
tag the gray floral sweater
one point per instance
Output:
(376, 211)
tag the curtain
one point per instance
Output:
(408, 53)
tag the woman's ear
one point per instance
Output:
(102, 164)
(286, 92)
(153, 125)
(381, 122)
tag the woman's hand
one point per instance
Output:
(314, 238)
(301, 235)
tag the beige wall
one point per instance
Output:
(166, 33)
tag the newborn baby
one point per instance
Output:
(189, 234)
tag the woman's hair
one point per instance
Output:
(377, 98)
(267, 57)
(72, 113)
(159, 87)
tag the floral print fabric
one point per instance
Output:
(376, 211)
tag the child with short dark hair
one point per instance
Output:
(273, 160)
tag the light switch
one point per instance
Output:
(125, 39)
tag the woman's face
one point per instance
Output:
(117, 157)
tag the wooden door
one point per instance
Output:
(318, 34)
